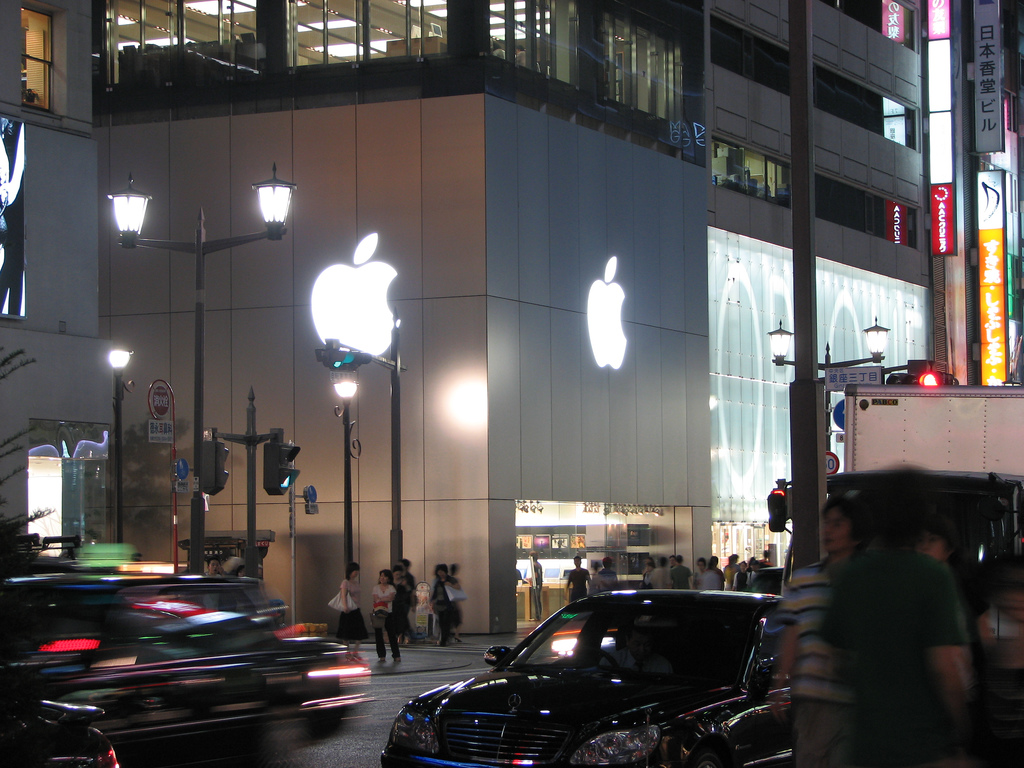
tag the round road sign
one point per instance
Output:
(831, 463)
(160, 397)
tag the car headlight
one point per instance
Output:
(415, 731)
(618, 747)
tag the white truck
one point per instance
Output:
(977, 429)
(969, 441)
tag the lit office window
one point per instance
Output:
(333, 31)
(750, 172)
(36, 59)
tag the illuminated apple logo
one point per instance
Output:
(350, 304)
(604, 319)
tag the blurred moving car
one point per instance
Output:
(572, 693)
(72, 741)
(188, 669)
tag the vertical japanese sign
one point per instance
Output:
(988, 78)
(895, 215)
(943, 229)
(938, 19)
(991, 276)
(894, 20)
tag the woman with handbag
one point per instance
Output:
(351, 627)
(382, 618)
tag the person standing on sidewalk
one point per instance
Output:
(820, 709)
(351, 627)
(440, 604)
(383, 601)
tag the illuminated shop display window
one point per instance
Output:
(750, 292)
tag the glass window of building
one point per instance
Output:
(750, 172)
(36, 58)
(334, 32)
(67, 470)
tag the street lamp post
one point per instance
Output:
(345, 384)
(129, 212)
(118, 360)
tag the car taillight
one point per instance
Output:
(70, 646)
(107, 760)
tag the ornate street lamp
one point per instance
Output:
(129, 213)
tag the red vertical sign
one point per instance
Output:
(943, 231)
(895, 219)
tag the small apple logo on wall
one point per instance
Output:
(350, 304)
(604, 318)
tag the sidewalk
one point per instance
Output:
(426, 656)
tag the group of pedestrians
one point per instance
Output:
(886, 653)
(392, 600)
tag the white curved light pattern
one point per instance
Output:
(467, 404)
(350, 304)
(750, 291)
(604, 319)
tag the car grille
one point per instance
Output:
(504, 741)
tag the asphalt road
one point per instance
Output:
(359, 741)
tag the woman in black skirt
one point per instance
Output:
(351, 627)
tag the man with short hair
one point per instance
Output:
(607, 579)
(731, 569)
(896, 619)
(578, 581)
(679, 573)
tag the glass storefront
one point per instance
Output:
(67, 470)
(559, 531)
(750, 293)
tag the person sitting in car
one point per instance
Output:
(637, 653)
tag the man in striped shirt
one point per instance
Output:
(806, 664)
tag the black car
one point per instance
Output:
(71, 740)
(187, 669)
(646, 678)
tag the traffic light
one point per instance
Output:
(278, 472)
(340, 358)
(922, 373)
(212, 474)
(778, 508)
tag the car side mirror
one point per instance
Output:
(496, 653)
(760, 679)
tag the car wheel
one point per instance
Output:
(706, 758)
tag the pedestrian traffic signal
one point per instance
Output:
(278, 472)
(778, 510)
(341, 358)
(212, 474)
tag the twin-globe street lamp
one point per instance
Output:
(129, 212)
(780, 340)
(118, 360)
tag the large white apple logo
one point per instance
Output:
(604, 319)
(350, 304)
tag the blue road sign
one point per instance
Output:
(181, 469)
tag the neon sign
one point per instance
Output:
(943, 229)
(991, 277)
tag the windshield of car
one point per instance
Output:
(701, 642)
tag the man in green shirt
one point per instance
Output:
(896, 621)
(679, 573)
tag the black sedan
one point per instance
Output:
(187, 669)
(649, 678)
